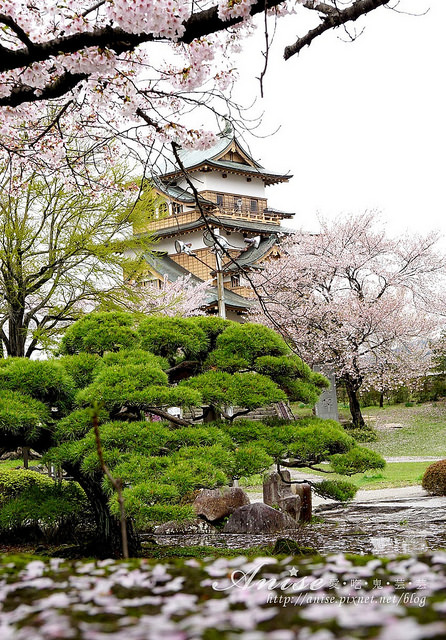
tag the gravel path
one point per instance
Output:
(363, 495)
(369, 495)
(412, 459)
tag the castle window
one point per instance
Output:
(177, 208)
(220, 199)
(254, 205)
(235, 280)
(163, 210)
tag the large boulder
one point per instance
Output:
(214, 504)
(258, 518)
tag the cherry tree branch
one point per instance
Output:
(333, 19)
(200, 24)
(60, 87)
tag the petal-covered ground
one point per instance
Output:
(229, 598)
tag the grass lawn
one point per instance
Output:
(12, 464)
(422, 429)
(395, 474)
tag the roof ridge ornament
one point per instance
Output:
(228, 128)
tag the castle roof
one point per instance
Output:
(226, 155)
(252, 256)
(223, 222)
(164, 266)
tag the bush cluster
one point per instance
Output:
(434, 479)
(33, 502)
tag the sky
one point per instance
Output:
(362, 124)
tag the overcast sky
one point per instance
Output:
(363, 124)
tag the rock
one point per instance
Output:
(303, 490)
(286, 546)
(291, 505)
(258, 518)
(278, 493)
(214, 504)
(175, 527)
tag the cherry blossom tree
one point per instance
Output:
(355, 300)
(407, 369)
(133, 69)
(184, 298)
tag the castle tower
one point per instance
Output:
(229, 198)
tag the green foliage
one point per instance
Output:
(213, 326)
(243, 431)
(195, 473)
(121, 364)
(198, 436)
(44, 505)
(240, 345)
(45, 380)
(279, 368)
(130, 384)
(77, 424)
(250, 459)
(173, 338)
(434, 479)
(336, 490)
(14, 482)
(319, 380)
(317, 444)
(80, 367)
(133, 357)
(293, 376)
(248, 390)
(22, 416)
(146, 516)
(357, 460)
(362, 434)
(100, 332)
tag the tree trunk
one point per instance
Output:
(355, 409)
(210, 414)
(381, 400)
(16, 333)
(107, 540)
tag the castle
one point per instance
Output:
(223, 196)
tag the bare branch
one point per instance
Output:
(333, 20)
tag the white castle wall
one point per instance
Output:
(214, 181)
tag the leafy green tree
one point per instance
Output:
(135, 369)
(62, 248)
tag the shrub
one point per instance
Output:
(362, 434)
(30, 501)
(100, 332)
(434, 479)
(336, 490)
(14, 482)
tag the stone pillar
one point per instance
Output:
(304, 492)
(277, 493)
(327, 405)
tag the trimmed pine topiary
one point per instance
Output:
(434, 479)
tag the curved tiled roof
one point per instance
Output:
(195, 158)
(165, 266)
(252, 256)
